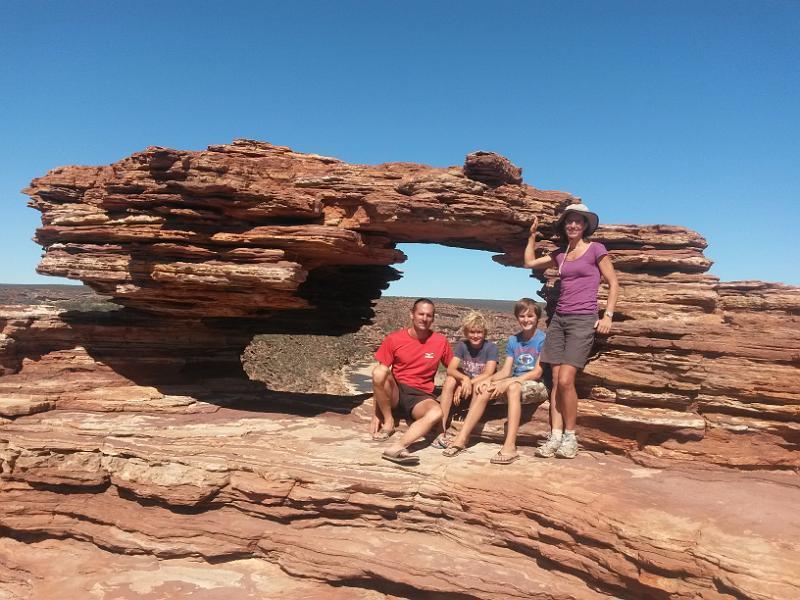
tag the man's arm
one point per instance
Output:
(380, 372)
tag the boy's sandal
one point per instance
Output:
(502, 459)
(440, 442)
(404, 457)
(453, 450)
(382, 435)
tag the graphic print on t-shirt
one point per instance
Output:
(472, 368)
(473, 361)
(526, 361)
(524, 353)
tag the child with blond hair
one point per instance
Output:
(474, 361)
(517, 380)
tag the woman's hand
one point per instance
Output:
(534, 226)
(603, 325)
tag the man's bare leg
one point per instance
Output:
(426, 414)
(385, 397)
(449, 389)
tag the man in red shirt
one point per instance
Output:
(408, 360)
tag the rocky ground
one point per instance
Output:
(128, 492)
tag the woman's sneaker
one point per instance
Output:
(549, 447)
(568, 447)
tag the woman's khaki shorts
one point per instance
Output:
(569, 340)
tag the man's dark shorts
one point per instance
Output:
(410, 397)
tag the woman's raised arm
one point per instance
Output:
(531, 262)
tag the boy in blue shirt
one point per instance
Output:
(517, 379)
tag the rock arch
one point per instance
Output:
(251, 237)
(140, 471)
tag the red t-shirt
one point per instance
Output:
(414, 362)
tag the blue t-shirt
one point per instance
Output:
(473, 362)
(525, 354)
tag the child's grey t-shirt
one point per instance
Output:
(473, 362)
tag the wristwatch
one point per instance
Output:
(609, 313)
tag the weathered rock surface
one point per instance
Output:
(491, 169)
(48, 569)
(135, 432)
(213, 500)
(246, 228)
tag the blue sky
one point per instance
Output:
(673, 112)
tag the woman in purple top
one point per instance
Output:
(570, 335)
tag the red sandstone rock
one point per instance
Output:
(491, 169)
(248, 227)
(114, 429)
(251, 229)
(312, 496)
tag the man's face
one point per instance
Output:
(422, 316)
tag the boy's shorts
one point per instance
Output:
(410, 397)
(533, 392)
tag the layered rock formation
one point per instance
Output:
(134, 432)
(695, 369)
(247, 229)
(262, 238)
(177, 505)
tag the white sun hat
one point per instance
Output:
(592, 219)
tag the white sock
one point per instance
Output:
(569, 433)
(556, 434)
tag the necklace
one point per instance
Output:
(577, 247)
(567, 253)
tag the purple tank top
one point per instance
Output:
(580, 280)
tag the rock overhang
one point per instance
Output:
(249, 229)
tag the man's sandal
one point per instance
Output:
(404, 457)
(440, 442)
(382, 435)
